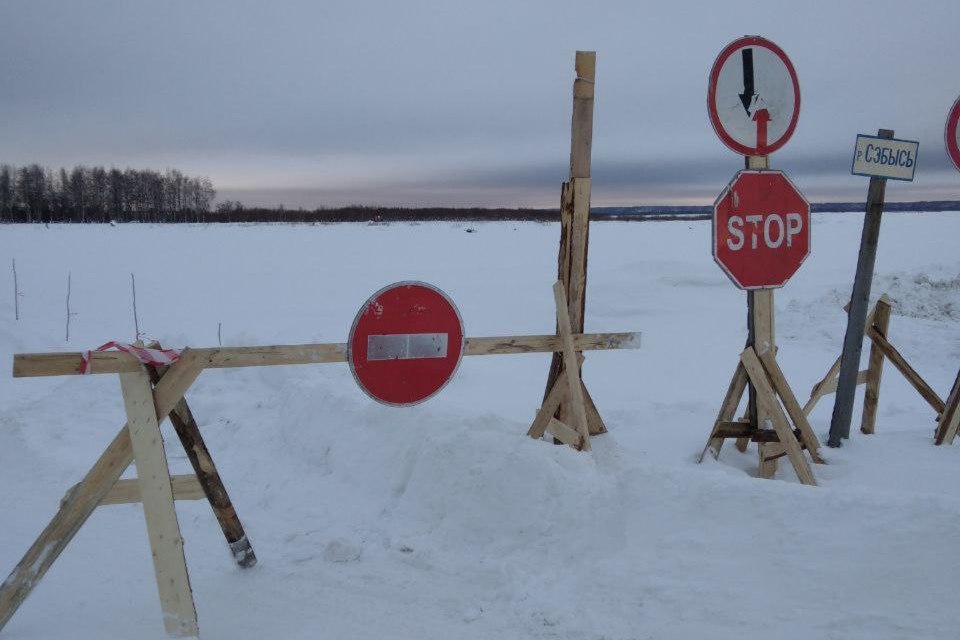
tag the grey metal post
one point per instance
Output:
(857, 316)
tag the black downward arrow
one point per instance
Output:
(747, 96)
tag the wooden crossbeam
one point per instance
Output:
(28, 365)
(185, 487)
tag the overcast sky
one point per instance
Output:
(443, 103)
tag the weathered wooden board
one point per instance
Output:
(26, 365)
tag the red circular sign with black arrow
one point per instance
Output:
(753, 96)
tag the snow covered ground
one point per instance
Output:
(444, 520)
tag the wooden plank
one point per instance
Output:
(156, 493)
(880, 320)
(578, 253)
(732, 429)
(78, 506)
(769, 454)
(830, 386)
(728, 408)
(27, 365)
(782, 387)
(594, 421)
(821, 388)
(208, 478)
(771, 409)
(185, 487)
(908, 372)
(549, 407)
(581, 129)
(950, 417)
(571, 366)
(564, 434)
(829, 382)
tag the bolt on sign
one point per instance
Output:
(951, 134)
(761, 229)
(753, 96)
(405, 343)
(878, 157)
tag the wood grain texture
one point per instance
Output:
(782, 387)
(549, 407)
(767, 399)
(571, 366)
(156, 495)
(79, 504)
(26, 365)
(728, 408)
(898, 361)
(950, 417)
(880, 320)
(185, 487)
(208, 478)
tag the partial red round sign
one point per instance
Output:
(753, 96)
(761, 229)
(405, 343)
(951, 134)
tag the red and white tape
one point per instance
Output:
(143, 354)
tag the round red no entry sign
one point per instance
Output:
(405, 344)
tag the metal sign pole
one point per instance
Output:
(859, 300)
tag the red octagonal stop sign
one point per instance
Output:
(761, 229)
(405, 343)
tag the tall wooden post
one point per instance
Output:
(575, 208)
(859, 299)
(761, 336)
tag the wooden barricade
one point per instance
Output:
(151, 395)
(774, 435)
(876, 330)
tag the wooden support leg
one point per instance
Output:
(880, 322)
(78, 506)
(594, 421)
(769, 453)
(727, 410)
(549, 407)
(209, 478)
(156, 492)
(782, 387)
(572, 366)
(829, 382)
(767, 399)
(950, 418)
(898, 361)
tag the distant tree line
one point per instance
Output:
(34, 193)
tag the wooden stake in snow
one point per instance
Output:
(16, 293)
(136, 321)
(70, 314)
